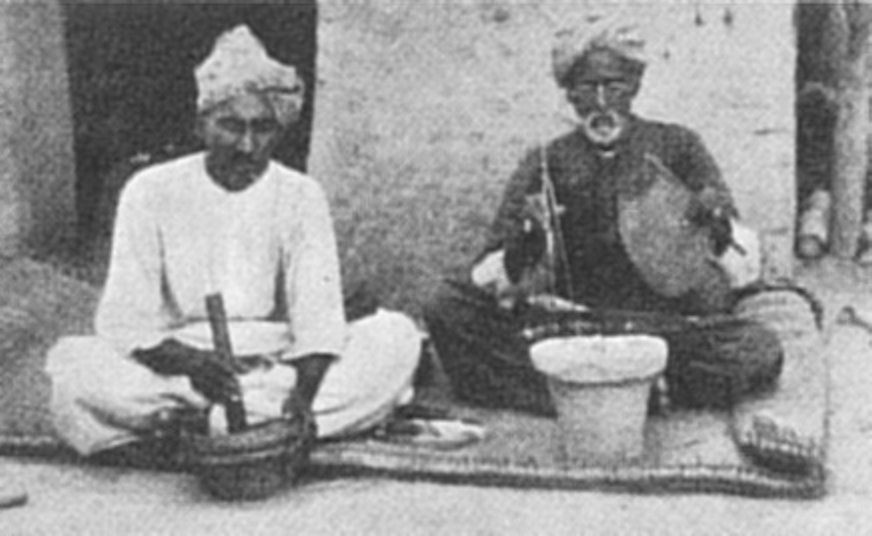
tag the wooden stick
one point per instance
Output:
(555, 226)
(852, 23)
(234, 408)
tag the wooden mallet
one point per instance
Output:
(234, 408)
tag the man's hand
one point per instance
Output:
(298, 405)
(709, 210)
(209, 375)
(299, 413)
(524, 250)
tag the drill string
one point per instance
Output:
(553, 229)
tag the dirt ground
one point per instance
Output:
(66, 499)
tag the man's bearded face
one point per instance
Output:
(240, 136)
(601, 90)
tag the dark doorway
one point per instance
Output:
(815, 103)
(133, 92)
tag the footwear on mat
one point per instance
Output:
(778, 448)
(438, 433)
(11, 494)
(418, 410)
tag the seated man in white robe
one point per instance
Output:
(231, 221)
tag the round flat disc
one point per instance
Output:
(674, 256)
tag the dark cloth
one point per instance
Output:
(587, 184)
(485, 355)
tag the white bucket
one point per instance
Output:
(600, 386)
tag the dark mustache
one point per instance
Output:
(238, 158)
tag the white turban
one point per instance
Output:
(609, 33)
(239, 63)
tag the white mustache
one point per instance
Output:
(603, 128)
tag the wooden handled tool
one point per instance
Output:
(234, 408)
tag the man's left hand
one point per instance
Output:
(299, 413)
(298, 405)
(524, 250)
(708, 210)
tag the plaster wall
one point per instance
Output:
(423, 109)
(37, 174)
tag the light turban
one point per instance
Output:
(239, 63)
(598, 33)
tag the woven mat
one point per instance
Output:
(685, 451)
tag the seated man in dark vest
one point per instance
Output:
(584, 202)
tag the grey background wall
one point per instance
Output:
(37, 167)
(423, 109)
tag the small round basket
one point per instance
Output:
(249, 465)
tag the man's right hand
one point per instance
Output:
(209, 375)
(709, 210)
(525, 250)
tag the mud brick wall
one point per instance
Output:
(423, 109)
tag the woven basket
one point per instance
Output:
(248, 465)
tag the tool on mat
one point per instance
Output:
(234, 408)
(851, 317)
(777, 447)
(11, 495)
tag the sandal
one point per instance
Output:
(417, 410)
(778, 448)
(440, 434)
(11, 494)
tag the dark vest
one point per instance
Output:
(587, 183)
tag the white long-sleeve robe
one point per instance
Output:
(271, 252)
(180, 236)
